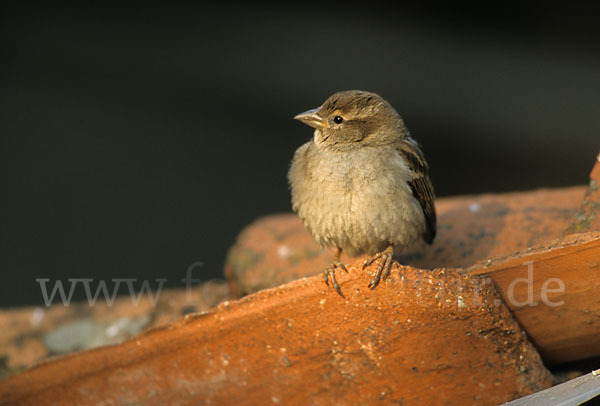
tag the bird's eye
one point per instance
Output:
(338, 119)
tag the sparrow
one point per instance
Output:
(361, 185)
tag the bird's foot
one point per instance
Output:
(383, 269)
(329, 274)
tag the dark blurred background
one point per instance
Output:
(136, 140)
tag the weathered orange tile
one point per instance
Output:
(423, 336)
(427, 337)
(553, 290)
(271, 251)
(587, 217)
(277, 249)
(22, 330)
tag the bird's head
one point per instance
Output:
(354, 118)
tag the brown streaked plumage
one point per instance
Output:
(361, 185)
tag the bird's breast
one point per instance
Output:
(358, 200)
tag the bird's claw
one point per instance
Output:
(383, 269)
(370, 261)
(329, 274)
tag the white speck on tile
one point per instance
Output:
(474, 207)
(37, 316)
(284, 251)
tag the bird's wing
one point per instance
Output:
(421, 185)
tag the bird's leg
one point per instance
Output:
(329, 272)
(384, 267)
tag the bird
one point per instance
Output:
(361, 185)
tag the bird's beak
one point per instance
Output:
(311, 118)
